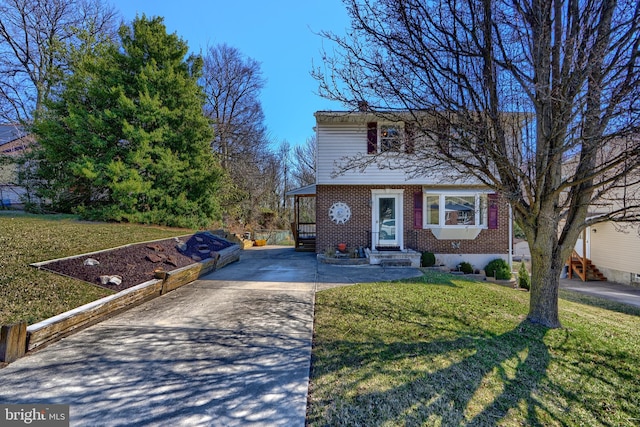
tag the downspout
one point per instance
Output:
(510, 238)
(584, 254)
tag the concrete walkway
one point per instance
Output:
(231, 349)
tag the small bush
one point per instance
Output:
(330, 252)
(524, 281)
(428, 259)
(466, 268)
(499, 269)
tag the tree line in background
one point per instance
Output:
(130, 127)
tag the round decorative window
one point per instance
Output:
(339, 213)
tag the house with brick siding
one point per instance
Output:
(389, 210)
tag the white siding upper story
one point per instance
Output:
(336, 142)
(339, 140)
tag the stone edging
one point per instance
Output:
(15, 342)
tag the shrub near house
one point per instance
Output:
(524, 280)
(428, 259)
(499, 269)
(466, 268)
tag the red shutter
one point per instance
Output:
(410, 134)
(417, 209)
(493, 211)
(372, 138)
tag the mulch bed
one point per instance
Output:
(138, 263)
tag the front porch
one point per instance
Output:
(303, 226)
(405, 258)
(394, 258)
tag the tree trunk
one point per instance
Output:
(546, 266)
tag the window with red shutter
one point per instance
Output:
(372, 138)
(410, 134)
(417, 209)
(493, 211)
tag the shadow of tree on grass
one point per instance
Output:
(480, 379)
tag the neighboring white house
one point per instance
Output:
(385, 208)
(616, 251)
(614, 248)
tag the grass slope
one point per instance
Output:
(30, 295)
(440, 350)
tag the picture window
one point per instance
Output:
(456, 210)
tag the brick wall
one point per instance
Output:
(356, 231)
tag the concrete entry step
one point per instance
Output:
(396, 262)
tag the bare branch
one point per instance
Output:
(34, 37)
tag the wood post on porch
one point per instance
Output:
(304, 233)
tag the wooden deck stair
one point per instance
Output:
(304, 235)
(584, 268)
(306, 245)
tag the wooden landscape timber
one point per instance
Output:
(14, 344)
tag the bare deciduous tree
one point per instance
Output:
(538, 99)
(34, 36)
(232, 85)
(303, 173)
(304, 163)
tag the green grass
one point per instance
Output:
(441, 350)
(31, 295)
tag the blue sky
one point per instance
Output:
(280, 34)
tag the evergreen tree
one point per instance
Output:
(126, 138)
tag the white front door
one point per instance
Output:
(586, 244)
(387, 218)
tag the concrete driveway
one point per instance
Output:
(608, 290)
(231, 349)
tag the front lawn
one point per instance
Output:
(31, 295)
(441, 350)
